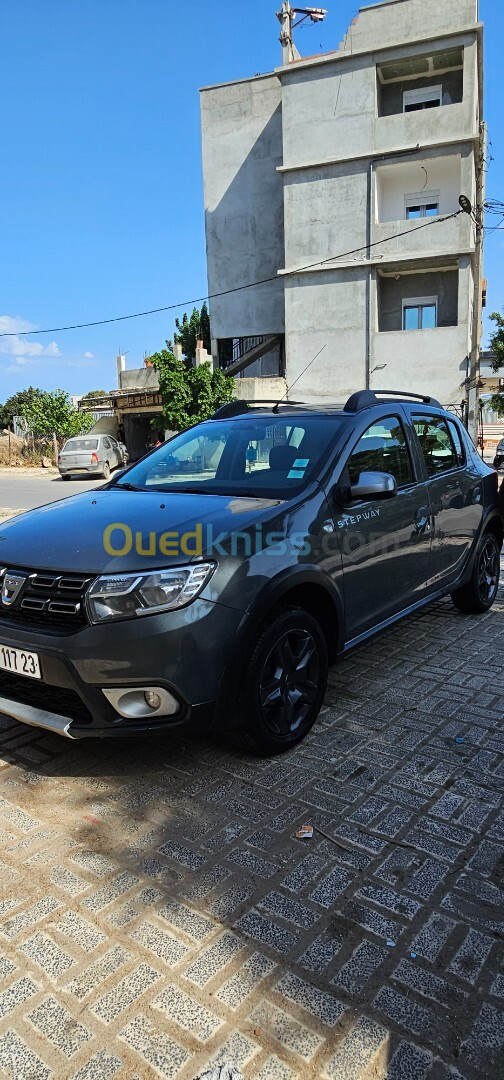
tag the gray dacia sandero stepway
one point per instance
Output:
(214, 581)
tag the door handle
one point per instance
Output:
(422, 519)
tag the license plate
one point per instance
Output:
(20, 662)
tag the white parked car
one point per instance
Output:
(95, 455)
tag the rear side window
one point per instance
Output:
(457, 442)
(437, 447)
(382, 448)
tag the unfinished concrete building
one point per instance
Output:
(336, 179)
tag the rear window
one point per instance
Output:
(80, 444)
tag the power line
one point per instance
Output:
(235, 289)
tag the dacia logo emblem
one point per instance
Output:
(11, 588)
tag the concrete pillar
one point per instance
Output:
(177, 351)
(121, 366)
(202, 356)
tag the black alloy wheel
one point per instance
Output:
(488, 571)
(283, 682)
(481, 590)
(289, 681)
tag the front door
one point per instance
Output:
(385, 543)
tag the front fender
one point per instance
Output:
(272, 593)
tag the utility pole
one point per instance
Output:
(473, 411)
(287, 20)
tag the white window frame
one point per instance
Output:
(419, 302)
(421, 198)
(428, 93)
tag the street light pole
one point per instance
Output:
(287, 17)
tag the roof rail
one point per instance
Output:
(239, 408)
(364, 399)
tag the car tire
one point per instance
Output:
(481, 590)
(106, 471)
(283, 683)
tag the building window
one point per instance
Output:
(422, 205)
(425, 98)
(419, 313)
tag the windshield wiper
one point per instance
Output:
(129, 487)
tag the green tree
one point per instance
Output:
(52, 411)
(496, 345)
(94, 393)
(15, 404)
(190, 330)
(189, 394)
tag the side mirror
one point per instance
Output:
(374, 485)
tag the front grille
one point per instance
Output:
(48, 599)
(41, 695)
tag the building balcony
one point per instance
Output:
(420, 360)
(448, 123)
(442, 235)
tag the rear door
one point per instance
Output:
(115, 453)
(455, 489)
(385, 543)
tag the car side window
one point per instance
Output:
(106, 444)
(382, 448)
(457, 442)
(437, 447)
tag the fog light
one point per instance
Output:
(142, 702)
(152, 699)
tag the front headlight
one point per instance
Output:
(124, 596)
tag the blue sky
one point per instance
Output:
(100, 186)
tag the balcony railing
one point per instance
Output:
(235, 354)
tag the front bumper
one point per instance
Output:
(184, 651)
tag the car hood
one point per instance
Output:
(71, 534)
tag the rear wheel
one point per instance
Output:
(106, 471)
(283, 684)
(480, 592)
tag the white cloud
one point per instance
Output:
(89, 356)
(18, 346)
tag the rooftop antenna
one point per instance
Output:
(287, 20)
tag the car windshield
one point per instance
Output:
(272, 457)
(80, 444)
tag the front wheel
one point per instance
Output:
(283, 683)
(480, 592)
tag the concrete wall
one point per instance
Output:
(325, 212)
(391, 294)
(144, 378)
(242, 147)
(448, 235)
(326, 311)
(253, 389)
(405, 20)
(426, 362)
(328, 110)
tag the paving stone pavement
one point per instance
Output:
(158, 913)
